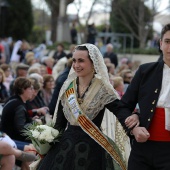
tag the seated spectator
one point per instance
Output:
(3, 92)
(121, 68)
(48, 88)
(14, 114)
(49, 63)
(21, 71)
(59, 67)
(8, 75)
(38, 101)
(127, 76)
(32, 109)
(111, 69)
(71, 48)
(118, 85)
(59, 53)
(8, 154)
(58, 84)
(43, 70)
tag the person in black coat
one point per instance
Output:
(59, 82)
(14, 114)
(150, 88)
(59, 53)
(110, 54)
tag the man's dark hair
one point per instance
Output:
(165, 29)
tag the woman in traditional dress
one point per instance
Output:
(82, 101)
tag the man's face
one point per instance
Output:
(128, 77)
(22, 73)
(165, 47)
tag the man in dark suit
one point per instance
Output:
(110, 54)
(59, 82)
(150, 88)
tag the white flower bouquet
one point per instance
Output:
(41, 136)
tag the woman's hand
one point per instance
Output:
(42, 110)
(132, 121)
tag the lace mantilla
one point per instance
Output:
(101, 73)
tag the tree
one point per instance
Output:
(132, 17)
(20, 19)
(78, 6)
(54, 8)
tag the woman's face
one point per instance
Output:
(50, 84)
(8, 72)
(28, 93)
(82, 65)
(34, 94)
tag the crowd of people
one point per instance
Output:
(92, 99)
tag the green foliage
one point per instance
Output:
(65, 44)
(37, 35)
(151, 51)
(125, 18)
(19, 19)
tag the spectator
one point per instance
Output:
(106, 39)
(118, 85)
(127, 76)
(73, 33)
(48, 88)
(91, 34)
(8, 76)
(21, 71)
(8, 155)
(3, 91)
(58, 84)
(110, 54)
(38, 101)
(14, 114)
(59, 53)
(32, 109)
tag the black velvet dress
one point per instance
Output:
(76, 149)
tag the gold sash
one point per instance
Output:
(89, 127)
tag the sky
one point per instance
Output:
(86, 4)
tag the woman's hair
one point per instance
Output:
(3, 75)
(5, 66)
(35, 83)
(33, 69)
(117, 81)
(20, 84)
(46, 78)
(83, 48)
(124, 72)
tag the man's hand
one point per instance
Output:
(132, 121)
(141, 134)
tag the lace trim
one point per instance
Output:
(99, 101)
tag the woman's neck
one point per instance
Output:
(47, 90)
(85, 81)
(23, 98)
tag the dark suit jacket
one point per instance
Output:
(59, 82)
(144, 90)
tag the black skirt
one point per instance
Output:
(76, 151)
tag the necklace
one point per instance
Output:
(81, 93)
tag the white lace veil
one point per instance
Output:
(100, 73)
